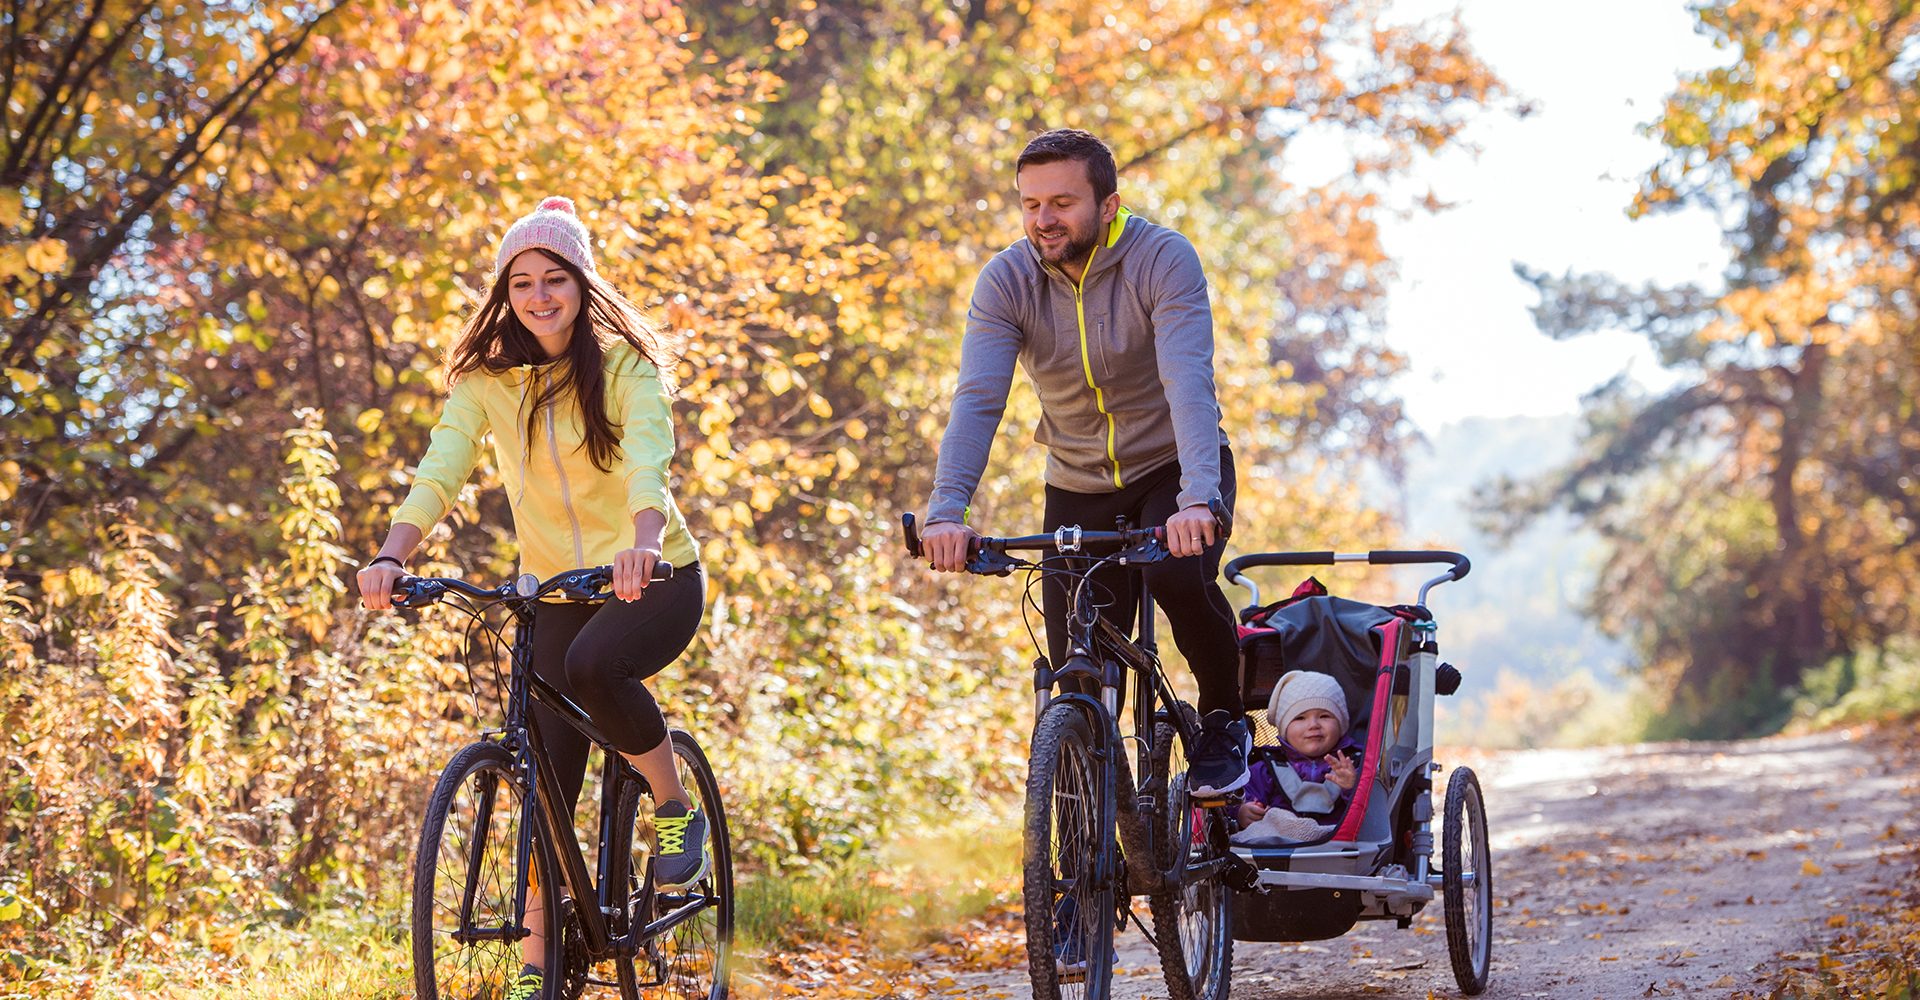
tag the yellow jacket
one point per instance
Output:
(567, 513)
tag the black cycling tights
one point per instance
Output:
(598, 655)
(1187, 589)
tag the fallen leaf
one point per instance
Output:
(1809, 868)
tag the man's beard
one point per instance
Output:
(1079, 244)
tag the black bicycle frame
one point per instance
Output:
(548, 813)
(1090, 633)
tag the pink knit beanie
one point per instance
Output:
(1300, 690)
(553, 227)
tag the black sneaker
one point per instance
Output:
(682, 855)
(1218, 764)
(527, 986)
(1069, 943)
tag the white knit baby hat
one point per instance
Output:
(1300, 690)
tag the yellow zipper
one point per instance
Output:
(1086, 364)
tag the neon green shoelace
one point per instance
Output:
(528, 985)
(673, 832)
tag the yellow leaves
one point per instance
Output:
(1809, 868)
(716, 417)
(820, 407)
(10, 208)
(792, 35)
(47, 256)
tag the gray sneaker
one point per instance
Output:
(681, 855)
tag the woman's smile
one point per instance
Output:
(546, 298)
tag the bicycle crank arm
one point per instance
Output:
(1202, 871)
(677, 917)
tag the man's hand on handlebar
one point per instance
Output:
(376, 585)
(1190, 531)
(946, 544)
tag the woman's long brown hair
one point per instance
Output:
(495, 341)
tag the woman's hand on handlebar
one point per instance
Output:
(376, 585)
(377, 579)
(633, 570)
(946, 545)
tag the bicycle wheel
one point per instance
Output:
(1068, 896)
(1192, 921)
(691, 957)
(466, 928)
(1466, 881)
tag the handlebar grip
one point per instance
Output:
(1238, 563)
(1400, 557)
(402, 593)
(913, 535)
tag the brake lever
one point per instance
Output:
(986, 562)
(586, 584)
(414, 592)
(1149, 550)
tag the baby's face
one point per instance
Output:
(1313, 732)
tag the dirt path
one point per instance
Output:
(1680, 869)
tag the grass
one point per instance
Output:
(902, 896)
(890, 901)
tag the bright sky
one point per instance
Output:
(1550, 191)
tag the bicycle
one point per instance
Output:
(1077, 881)
(487, 844)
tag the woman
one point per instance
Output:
(571, 382)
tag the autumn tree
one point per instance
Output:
(921, 107)
(1760, 515)
(110, 108)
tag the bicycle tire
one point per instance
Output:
(1469, 908)
(695, 958)
(1068, 826)
(1192, 923)
(469, 837)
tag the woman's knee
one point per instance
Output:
(592, 673)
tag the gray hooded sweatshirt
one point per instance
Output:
(1123, 366)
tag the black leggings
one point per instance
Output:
(598, 655)
(1187, 589)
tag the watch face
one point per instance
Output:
(527, 585)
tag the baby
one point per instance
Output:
(1310, 711)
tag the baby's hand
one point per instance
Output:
(1342, 774)
(1249, 813)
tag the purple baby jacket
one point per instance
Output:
(1263, 786)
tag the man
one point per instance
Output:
(1108, 314)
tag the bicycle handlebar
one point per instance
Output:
(1064, 539)
(1385, 557)
(574, 585)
